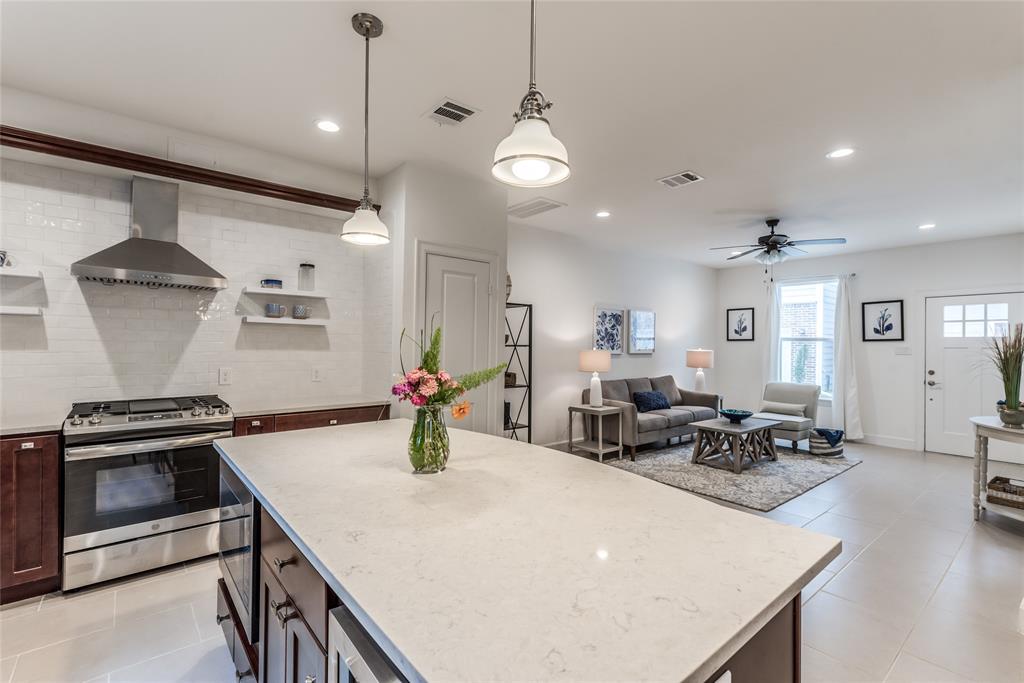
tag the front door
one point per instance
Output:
(458, 299)
(960, 380)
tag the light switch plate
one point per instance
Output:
(318, 375)
(224, 376)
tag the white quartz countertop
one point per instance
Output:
(250, 408)
(12, 427)
(524, 563)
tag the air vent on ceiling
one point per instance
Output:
(450, 112)
(680, 179)
(532, 207)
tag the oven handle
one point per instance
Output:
(89, 452)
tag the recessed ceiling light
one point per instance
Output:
(840, 153)
(603, 214)
(926, 226)
(327, 126)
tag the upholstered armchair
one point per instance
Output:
(794, 405)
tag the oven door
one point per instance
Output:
(117, 492)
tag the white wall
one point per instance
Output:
(424, 204)
(890, 385)
(99, 342)
(564, 278)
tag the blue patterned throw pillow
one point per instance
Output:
(646, 401)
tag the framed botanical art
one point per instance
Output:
(641, 331)
(608, 324)
(882, 320)
(739, 324)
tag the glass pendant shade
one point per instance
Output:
(531, 156)
(365, 228)
(770, 258)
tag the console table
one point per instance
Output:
(986, 427)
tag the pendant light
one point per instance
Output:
(531, 156)
(366, 227)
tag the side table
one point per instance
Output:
(598, 447)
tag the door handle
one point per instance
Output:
(932, 383)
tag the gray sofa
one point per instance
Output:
(657, 425)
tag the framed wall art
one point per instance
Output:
(641, 331)
(739, 324)
(882, 320)
(608, 324)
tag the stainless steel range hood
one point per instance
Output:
(152, 255)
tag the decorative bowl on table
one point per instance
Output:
(735, 416)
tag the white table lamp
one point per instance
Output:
(700, 359)
(595, 361)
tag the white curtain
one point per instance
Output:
(845, 413)
(771, 360)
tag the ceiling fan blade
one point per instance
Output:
(750, 251)
(790, 245)
(738, 246)
(834, 240)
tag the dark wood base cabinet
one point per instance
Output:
(284, 422)
(29, 516)
(772, 655)
(242, 652)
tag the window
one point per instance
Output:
(976, 320)
(807, 313)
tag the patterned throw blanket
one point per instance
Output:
(833, 436)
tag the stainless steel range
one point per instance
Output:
(140, 485)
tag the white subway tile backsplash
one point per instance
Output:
(99, 342)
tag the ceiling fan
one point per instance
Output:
(776, 248)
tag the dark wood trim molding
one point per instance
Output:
(119, 158)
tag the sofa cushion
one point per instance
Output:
(792, 423)
(700, 412)
(783, 408)
(616, 390)
(677, 417)
(650, 422)
(636, 384)
(667, 386)
(646, 401)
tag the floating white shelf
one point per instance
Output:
(263, 320)
(273, 291)
(21, 310)
(20, 271)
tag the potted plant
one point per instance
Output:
(1007, 352)
(433, 391)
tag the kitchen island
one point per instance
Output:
(524, 563)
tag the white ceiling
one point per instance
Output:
(749, 94)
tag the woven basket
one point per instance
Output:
(820, 446)
(1003, 491)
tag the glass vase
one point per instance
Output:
(428, 442)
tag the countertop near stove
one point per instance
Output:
(524, 563)
(14, 428)
(261, 406)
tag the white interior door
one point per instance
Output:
(458, 299)
(960, 381)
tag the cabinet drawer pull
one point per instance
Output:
(239, 675)
(310, 679)
(221, 618)
(280, 564)
(254, 423)
(333, 422)
(25, 445)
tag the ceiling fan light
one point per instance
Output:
(365, 228)
(531, 156)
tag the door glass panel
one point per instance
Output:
(952, 313)
(974, 328)
(952, 330)
(974, 312)
(998, 328)
(998, 311)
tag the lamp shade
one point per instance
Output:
(595, 361)
(531, 156)
(366, 228)
(700, 358)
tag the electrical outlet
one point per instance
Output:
(318, 375)
(224, 376)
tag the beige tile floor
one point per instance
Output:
(921, 593)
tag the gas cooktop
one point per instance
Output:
(139, 414)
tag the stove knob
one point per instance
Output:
(197, 411)
(210, 411)
(223, 410)
(95, 420)
(76, 420)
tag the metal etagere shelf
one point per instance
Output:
(519, 394)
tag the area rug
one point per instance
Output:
(763, 487)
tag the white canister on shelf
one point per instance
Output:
(307, 277)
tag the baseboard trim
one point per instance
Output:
(889, 441)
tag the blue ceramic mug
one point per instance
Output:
(275, 310)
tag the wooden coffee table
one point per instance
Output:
(725, 445)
